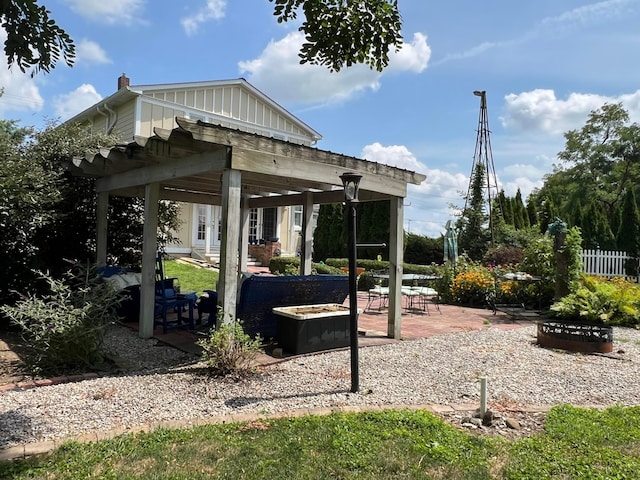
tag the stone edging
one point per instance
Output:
(41, 448)
(45, 382)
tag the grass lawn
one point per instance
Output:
(394, 444)
(191, 277)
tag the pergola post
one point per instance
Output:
(306, 247)
(228, 280)
(102, 211)
(149, 253)
(244, 234)
(207, 231)
(396, 237)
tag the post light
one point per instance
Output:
(351, 183)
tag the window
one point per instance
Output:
(297, 217)
(269, 223)
(202, 221)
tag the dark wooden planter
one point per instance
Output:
(575, 337)
(313, 328)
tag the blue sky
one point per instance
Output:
(544, 65)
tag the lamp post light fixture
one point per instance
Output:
(351, 183)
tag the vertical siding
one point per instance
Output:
(153, 116)
(234, 102)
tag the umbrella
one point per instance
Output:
(450, 244)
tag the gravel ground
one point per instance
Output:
(163, 384)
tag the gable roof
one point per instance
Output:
(129, 92)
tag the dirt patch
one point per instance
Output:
(508, 424)
(12, 366)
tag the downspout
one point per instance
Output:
(115, 119)
(100, 112)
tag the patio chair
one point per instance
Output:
(378, 292)
(428, 294)
(169, 300)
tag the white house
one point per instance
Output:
(134, 111)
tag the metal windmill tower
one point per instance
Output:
(484, 155)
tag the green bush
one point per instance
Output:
(598, 300)
(291, 266)
(228, 350)
(64, 328)
(366, 281)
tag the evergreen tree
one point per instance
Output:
(474, 238)
(521, 219)
(373, 227)
(330, 233)
(532, 211)
(628, 237)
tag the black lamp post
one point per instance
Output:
(351, 182)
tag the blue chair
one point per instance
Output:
(167, 300)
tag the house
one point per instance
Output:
(134, 111)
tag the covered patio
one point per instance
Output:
(205, 163)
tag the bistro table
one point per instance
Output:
(413, 293)
(517, 308)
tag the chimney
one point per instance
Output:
(123, 81)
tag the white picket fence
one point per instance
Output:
(606, 263)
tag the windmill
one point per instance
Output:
(484, 156)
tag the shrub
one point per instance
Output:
(229, 351)
(472, 287)
(366, 281)
(291, 266)
(598, 300)
(64, 328)
(503, 255)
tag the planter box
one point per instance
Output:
(313, 328)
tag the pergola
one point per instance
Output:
(203, 163)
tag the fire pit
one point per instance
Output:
(575, 337)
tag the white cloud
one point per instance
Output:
(566, 23)
(584, 16)
(394, 155)
(540, 111)
(428, 204)
(213, 10)
(72, 103)
(20, 92)
(278, 71)
(109, 12)
(412, 56)
(89, 52)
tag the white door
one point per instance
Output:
(207, 215)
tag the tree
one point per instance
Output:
(373, 228)
(28, 192)
(629, 232)
(600, 162)
(473, 237)
(341, 33)
(48, 216)
(337, 33)
(329, 236)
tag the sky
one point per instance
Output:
(544, 65)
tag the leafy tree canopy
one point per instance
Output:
(600, 163)
(338, 33)
(34, 41)
(341, 33)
